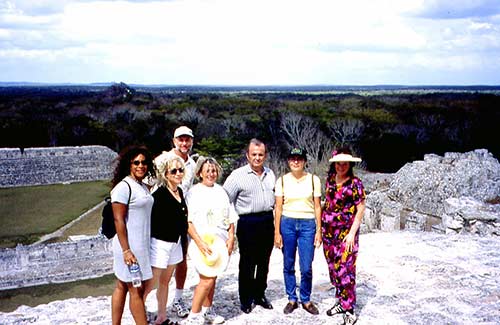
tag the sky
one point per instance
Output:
(253, 42)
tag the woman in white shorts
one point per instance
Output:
(168, 226)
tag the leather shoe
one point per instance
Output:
(246, 308)
(263, 302)
(290, 306)
(311, 308)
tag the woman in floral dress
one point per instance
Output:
(341, 218)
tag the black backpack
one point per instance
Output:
(108, 220)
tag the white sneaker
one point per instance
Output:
(180, 308)
(350, 319)
(150, 317)
(212, 318)
(194, 320)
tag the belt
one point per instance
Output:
(257, 214)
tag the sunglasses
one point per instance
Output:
(138, 162)
(175, 170)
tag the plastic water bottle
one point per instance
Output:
(135, 272)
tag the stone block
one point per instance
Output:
(415, 221)
(390, 223)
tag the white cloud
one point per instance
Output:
(36, 7)
(245, 42)
(445, 9)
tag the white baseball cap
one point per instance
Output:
(183, 130)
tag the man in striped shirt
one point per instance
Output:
(251, 189)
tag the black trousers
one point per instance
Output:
(255, 241)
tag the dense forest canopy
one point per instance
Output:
(387, 127)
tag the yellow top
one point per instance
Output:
(298, 195)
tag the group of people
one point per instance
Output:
(161, 218)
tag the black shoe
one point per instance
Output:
(263, 302)
(169, 322)
(246, 308)
(311, 308)
(336, 309)
(290, 306)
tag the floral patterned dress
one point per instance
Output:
(337, 219)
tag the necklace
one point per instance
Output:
(173, 191)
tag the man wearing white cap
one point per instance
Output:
(183, 142)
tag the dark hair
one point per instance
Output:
(257, 143)
(124, 158)
(347, 151)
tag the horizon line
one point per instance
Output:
(240, 85)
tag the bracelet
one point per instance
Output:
(125, 251)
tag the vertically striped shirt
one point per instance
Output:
(250, 192)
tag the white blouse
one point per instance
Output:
(209, 209)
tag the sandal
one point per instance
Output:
(336, 309)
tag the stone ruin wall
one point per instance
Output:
(32, 265)
(53, 165)
(59, 262)
(452, 194)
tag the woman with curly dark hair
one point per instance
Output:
(132, 205)
(341, 218)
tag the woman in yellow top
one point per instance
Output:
(298, 226)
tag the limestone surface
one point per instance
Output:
(404, 277)
(459, 192)
(423, 186)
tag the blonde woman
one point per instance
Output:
(209, 213)
(168, 228)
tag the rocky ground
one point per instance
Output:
(403, 278)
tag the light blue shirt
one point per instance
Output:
(249, 192)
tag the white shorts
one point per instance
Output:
(164, 253)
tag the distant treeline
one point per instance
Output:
(387, 127)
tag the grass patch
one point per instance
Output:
(27, 213)
(87, 226)
(43, 294)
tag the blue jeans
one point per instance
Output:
(298, 233)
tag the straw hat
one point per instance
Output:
(344, 157)
(214, 264)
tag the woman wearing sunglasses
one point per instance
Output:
(132, 205)
(168, 227)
